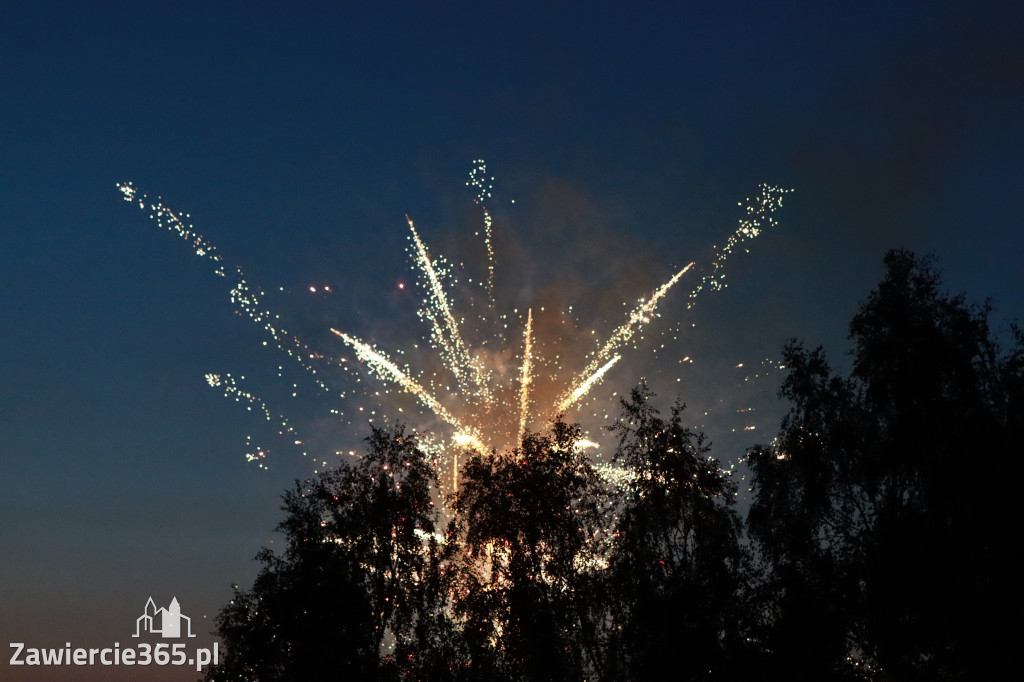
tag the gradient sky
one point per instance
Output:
(298, 135)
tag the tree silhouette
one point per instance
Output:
(676, 564)
(360, 570)
(527, 522)
(883, 537)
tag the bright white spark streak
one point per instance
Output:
(582, 389)
(451, 343)
(526, 375)
(386, 369)
(640, 316)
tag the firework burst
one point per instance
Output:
(486, 388)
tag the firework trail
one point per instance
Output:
(759, 215)
(445, 330)
(585, 385)
(479, 180)
(247, 299)
(230, 386)
(387, 370)
(640, 316)
(526, 376)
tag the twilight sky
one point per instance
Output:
(298, 136)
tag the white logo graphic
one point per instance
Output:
(166, 622)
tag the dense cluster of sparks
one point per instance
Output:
(486, 390)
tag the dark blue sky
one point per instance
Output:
(299, 135)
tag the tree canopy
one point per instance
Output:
(881, 527)
(876, 544)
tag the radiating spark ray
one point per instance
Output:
(446, 334)
(248, 300)
(478, 179)
(230, 386)
(640, 316)
(758, 216)
(526, 375)
(584, 386)
(386, 369)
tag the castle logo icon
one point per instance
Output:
(165, 622)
